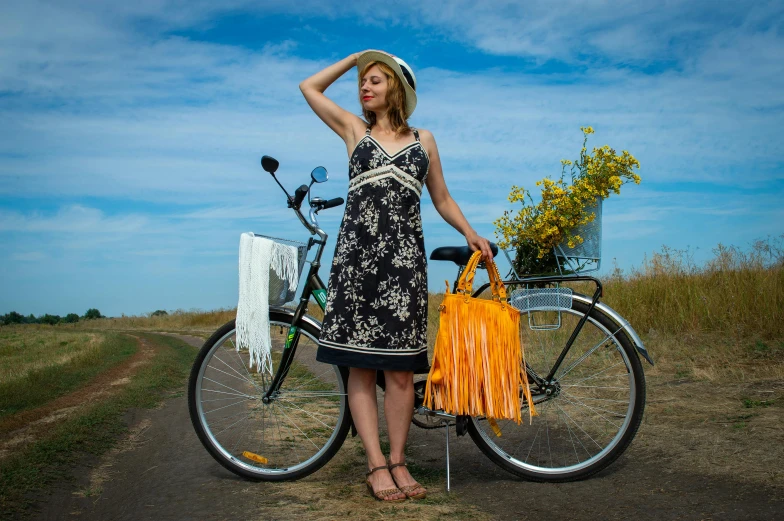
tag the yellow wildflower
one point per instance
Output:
(563, 207)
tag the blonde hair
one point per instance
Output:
(396, 99)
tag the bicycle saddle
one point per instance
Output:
(457, 254)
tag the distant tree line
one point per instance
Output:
(17, 318)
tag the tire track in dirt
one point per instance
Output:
(22, 428)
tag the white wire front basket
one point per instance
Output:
(280, 291)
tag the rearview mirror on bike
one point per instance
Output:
(270, 164)
(319, 175)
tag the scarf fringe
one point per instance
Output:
(261, 259)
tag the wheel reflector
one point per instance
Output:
(255, 457)
(494, 426)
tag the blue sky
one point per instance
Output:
(130, 135)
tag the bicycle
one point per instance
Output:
(582, 360)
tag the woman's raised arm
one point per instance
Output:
(339, 120)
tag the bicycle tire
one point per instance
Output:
(297, 432)
(572, 439)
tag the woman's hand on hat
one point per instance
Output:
(356, 55)
(476, 242)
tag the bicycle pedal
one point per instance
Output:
(419, 393)
(461, 425)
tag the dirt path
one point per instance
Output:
(161, 472)
(23, 427)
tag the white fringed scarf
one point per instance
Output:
(259, 256)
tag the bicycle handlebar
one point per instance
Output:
(295, 202)
(299, 195)
(337, 201)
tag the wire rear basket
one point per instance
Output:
(537, 302)
(280, 291)
(583, 258)
(586, 256)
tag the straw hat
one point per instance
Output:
(402, 70)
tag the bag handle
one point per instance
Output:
(466, 281)
(495, 280)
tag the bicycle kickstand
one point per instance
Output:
(446, 430)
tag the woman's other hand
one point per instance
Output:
(476, 242)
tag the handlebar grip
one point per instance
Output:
(299, 195)
(337, 201)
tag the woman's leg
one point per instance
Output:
(364, 412)
(398, 409)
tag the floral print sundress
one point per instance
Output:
(376, 314)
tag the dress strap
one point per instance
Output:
(367, 131)
(416, 133)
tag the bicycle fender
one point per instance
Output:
(625, 325)
(290, 312)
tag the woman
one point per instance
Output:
(376, 314)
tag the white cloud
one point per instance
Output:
(30, 256)
(71, 219)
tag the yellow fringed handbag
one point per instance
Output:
(478, 364)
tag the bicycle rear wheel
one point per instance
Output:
(590, 412)
(293, 434)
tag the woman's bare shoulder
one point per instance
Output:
(428, 141)
(424, 133)
(427, 138)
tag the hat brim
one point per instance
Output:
(376, 56)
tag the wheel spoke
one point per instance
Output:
(245, 377)
(569, 418)
(584, 413)
(581, 358)
(306, 416)
(249, 397)
(576, 402)
(221, 408)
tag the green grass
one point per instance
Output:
(750, 404)
(94, 431)
(83, 356)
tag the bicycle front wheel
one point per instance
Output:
(588, 414)
(287, 437)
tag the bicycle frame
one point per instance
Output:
(315, 287)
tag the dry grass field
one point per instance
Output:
(23, 350)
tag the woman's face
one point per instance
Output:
(373, 90)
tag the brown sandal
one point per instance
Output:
(382, 495)
(408, 489)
